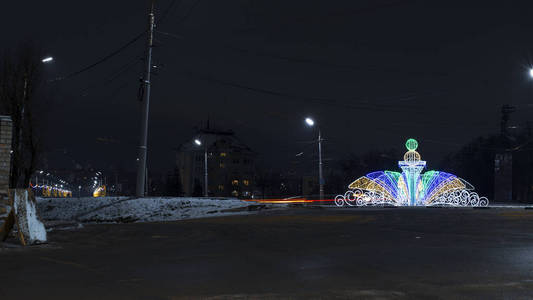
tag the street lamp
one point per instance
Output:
(531, 72)
(47, 59)
(198, 142)
(310, 122)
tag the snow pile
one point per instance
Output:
(29, 225)
(109, 209)
(37, 232)
(68, 209)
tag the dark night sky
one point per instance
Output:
(372, 73)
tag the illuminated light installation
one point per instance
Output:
(50, 191)
(410, 187)
(100, 191)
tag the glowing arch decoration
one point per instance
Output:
(411, 187)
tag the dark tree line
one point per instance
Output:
(20, 77)
(475, 162)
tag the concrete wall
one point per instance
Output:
(5, 154)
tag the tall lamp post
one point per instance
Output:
(310, 122)
(198, 142)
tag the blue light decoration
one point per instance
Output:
(411, 187)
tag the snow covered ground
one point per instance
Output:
(123, 209)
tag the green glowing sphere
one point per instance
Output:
(411, 144)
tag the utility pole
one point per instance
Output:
(141, 170)
(320, 177)
(206, 184)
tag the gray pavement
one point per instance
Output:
(397, 253)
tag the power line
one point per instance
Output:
(103, 59)
(317, 100)
(189, 12)
(167, 11)
(306, 60)
(120, 49)
(114, 75)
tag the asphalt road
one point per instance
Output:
(420, 253)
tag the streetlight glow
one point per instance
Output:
(197, 142)
(531, 72)
(47, 59)
(309, 121)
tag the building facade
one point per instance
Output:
(5, 167)
(230, 165)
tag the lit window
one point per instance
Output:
(221, 187)
(235, 182)
(235, 193)
(223, 154)
(246, 182)
(222, 166)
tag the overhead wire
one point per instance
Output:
(317, 100)
(116, 51)
(167, 11)
(306, 60)
(103, 59)
(114, 75)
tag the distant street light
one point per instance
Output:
(531, 72)
(47, 59)
(199, 143)
(310, 122)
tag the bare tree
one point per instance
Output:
(19, 78)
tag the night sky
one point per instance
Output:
(372, 73)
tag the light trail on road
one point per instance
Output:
(291, 200)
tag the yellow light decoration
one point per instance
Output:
(445, 187)
(411, 156)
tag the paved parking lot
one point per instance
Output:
(401, 253)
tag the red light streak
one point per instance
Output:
(288, 201)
